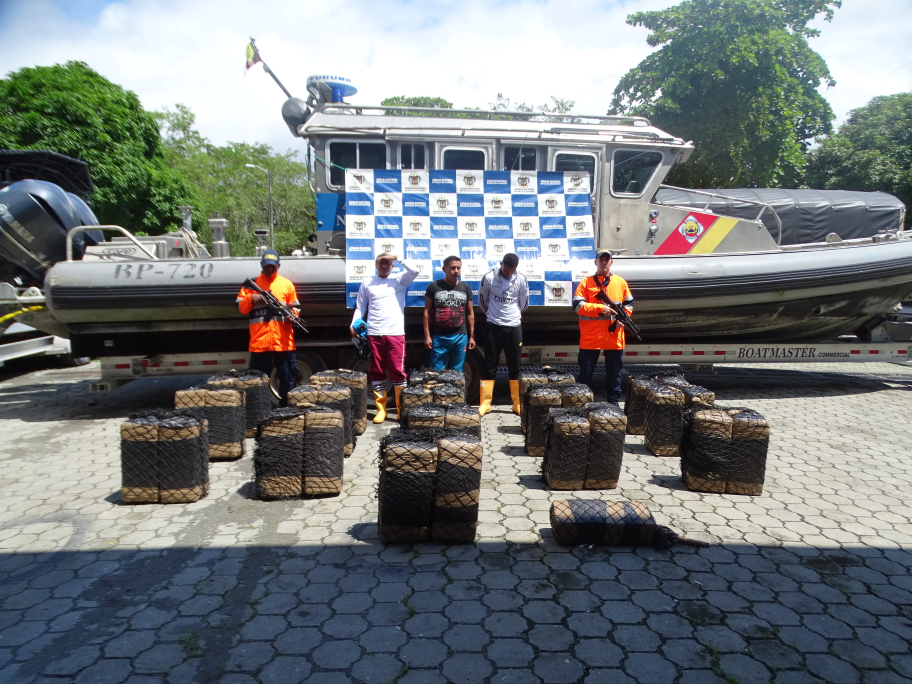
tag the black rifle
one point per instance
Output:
(620, 314)
(276, 305)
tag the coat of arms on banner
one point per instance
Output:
(691, 229)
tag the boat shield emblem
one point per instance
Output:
(691, 229)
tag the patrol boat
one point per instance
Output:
(707, 266)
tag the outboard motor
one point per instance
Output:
(35, 217)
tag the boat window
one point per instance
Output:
(354, 155)
(411, 156)
(564, 161)
(464, 160)
(519, 159)
(632, 171)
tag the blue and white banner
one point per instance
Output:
(544, 217)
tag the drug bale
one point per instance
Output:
(445, 393)
(415, 395)
(575, 395)
(607, 430)
(527, 380)
(183, 459)
(338, 397)
(750, 442)
(697, 396)
(541, 401)
(358, 383)
(258, 397)
(558, 377)
(278, 458)
(456, 489)
(223, 407)
(635, 404)
(705, 448)
(611, 523)
(408, 463)
(324, 450)
(452, 377)
(139, 459)
(663, 425)
(464, 417)
(304, 396)
(567, 451)
(422, 376)
(425, 416)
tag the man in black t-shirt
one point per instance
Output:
(449, 322)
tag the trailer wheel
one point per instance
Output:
(473, 369)
(307, 363)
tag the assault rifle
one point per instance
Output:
(276, 305)
(621, 316)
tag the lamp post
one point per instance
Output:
(269, 175)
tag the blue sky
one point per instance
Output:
(468, 51)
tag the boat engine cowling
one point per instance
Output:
(35, 217)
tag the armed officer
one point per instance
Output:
(271, 333)
(599, 329)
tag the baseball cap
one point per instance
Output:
(270, 256)
(600, 252)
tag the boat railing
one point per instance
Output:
(127, 234)
(713, 195)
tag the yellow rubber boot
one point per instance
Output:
(486, 392)
(514, 393)
(380, 401)
(398, 391)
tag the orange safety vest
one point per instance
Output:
(594, 324)
(268, 330)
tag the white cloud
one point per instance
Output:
(191, 51)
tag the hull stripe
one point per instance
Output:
(714, 235)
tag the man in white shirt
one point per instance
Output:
(503, 296)
(381, 302)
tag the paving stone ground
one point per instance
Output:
(811, 582)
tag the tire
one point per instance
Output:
(307, 364)
(70, 361)
(473, 370)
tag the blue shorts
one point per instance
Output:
(449, 351)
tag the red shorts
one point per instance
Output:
(387, 358)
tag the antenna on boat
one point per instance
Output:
(259, 58)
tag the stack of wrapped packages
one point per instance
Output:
(436, 399)
(225, 410)
(585, 446)
(254, 385)
(655, 408)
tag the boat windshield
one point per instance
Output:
(632, 171)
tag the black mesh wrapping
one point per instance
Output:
(408, 463)
(635, 404)
(452, 377)
(415, 395)
(724, 450)
(575, 395)
(258, 395)
(460, 416)
(224, 409)
(610, 523)
(423, 376)
(324, 450)
(607, 430)
(339, 397)
(424, 416)
(359, 391)
(278, 460)
(164, 457)
(541, 400)
(556, 377)
(664, 414)
(456, 489)
(528, 379)
(445, 393)
(567, 451)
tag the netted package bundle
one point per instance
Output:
(556, 377)
(339, 397)
(724, 450)
(575, 395)
(422, 376)
(452, 377)
(164, 458)
(635, 404)
(359, 390)
(445, 393)
(324, 452)
(425, 416)
(278, 460)
(408, 463)
(257, 394)
(456, 489)
(567, 451)
(223, 408)
(415, 395)
(528, 380)
(460, 416)
(304, 396)
(607, 430)
(663, 428)
(541, 401)
(696, 395)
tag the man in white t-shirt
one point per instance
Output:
(381, 302)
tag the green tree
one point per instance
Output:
(739, 79)
(73, 110)
(871, 151)
(225, 185)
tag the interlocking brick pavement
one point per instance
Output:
(811, 582)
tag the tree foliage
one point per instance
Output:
(224, 184)
(739, 79)
(75, 111)
(871, 151)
